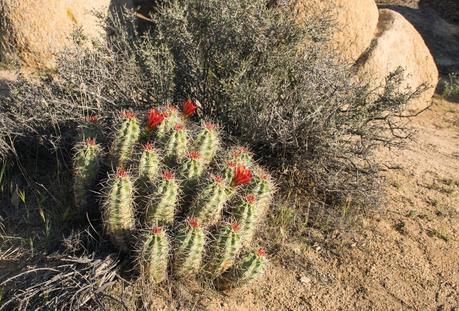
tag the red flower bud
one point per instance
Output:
(194, 155)
(189, 107)
(130, 115)
(178, 127)
(235, 227)
(193, 222)
(154, 118)
(242, 175)
(156, 230)
(90, 141)
(168, 175)
(261, 252)
(92, 119)
(148, 147)
(218, 179)
(121, 173)
(250, 198)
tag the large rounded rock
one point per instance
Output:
(35, 30)
(355, 23)
(398, 44)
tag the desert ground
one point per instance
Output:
(402, 256)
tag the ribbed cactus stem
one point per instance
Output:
(119, 210)
(148, 165)
(171, 118)
(154, 255)
(207, 142)
(161, 206)
(190, 247)
(248, 215)
(86, 165)
(241, 156)
(125, 139)
(209, 203)
(226, 248)
(262, 186)
(192, 168)
(90, 129)
(176, 146)
(251, 267)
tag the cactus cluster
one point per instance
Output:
(196, 204)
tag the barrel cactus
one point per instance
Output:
(180, 199)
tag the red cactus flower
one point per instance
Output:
(195, 155)
(127, 114)
(261, 252)
(178, 127)
(231, 164)
(154, 118)
(250, 198)
(168, 175)
(193, 222)
(90, 141)
(121, 172)
(148, 147)
(242, 175)
(189, 107)
(235, 227)
(156, 230)
(92, 119)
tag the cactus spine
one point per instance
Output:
(240, 156)
(225, 249)
(209, 203)
(125, 139)
(251, 267)
(190, 247)
(176, 146)
(171, 118)
(154, 255)
(90, 129)
(248, 216)
(119, 210)
(262, 187)
(148, 165)
(192, 168)
(86, 164)
(161, 207)
(207, 142)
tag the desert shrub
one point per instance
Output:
(451, 86)
(300, 110)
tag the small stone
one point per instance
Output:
(305, 280)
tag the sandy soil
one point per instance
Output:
(404, 257)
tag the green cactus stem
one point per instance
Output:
(90, 129)
(171, 118)
(262, 186)
(248, 215)
(240, 156)
(225, 249)
(148, 165)
(162, 204)
(119, 210)
(154, 255)
(86, 165)
(251, 267)
(209, 203)
(207, 142)
(125, 139)
(176, 146)
(190, 247)
(191, 169)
